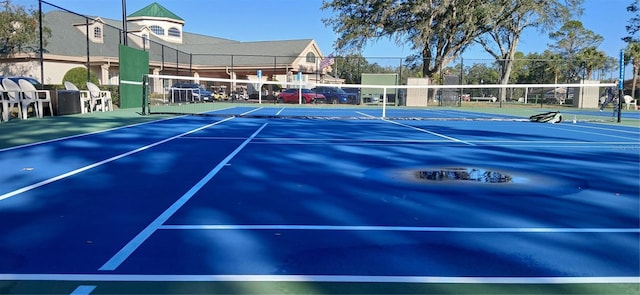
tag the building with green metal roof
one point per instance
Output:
(154, 10)
(93, 41)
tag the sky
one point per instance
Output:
(262, 20)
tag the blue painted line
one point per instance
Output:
(83, 290)
(130, 247)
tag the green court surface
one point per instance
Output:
(264, 288)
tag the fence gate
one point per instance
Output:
(134, 63)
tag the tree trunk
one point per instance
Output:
(508, 65)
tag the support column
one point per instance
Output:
(104, 74)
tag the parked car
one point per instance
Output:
(335, 95)
(353, 91)
(292, 95)
(33, 81)
(265, 95)
(189, 92)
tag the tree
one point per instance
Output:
(438, 29)
(632, 56)
(532, 68)
(350, 68)
(481, 74)
(19, 29)
(571, 39)
(611, 67)
(590, 59)
(518, 68)
(633, 28)
(502, 41)
(542, 68)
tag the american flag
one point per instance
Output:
(327, 61)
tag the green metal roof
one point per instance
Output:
(155, 10)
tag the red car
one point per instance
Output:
(292, 95)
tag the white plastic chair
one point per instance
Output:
(628, 101)
(30, 92)
(85, 100)
(97, 95)
(4, 104)
(16, 97)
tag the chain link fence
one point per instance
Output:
(91, 42)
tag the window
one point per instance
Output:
(311, 57)
(158, 30)
(174, 32)
(97, 32)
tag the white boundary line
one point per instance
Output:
(120, 156)
(430, 132)
(318, 278)
(558, 126)
(420, 129)
(311, 140)
(95, 132)
(598, 127)
(83, 134)
(132, 245)
(403, 228)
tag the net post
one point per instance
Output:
(145, 94)
(621, 84)
(619, 104)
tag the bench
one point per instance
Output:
(484, 98)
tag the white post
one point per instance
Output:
(259, 86)
(426, 94)
(384, 102)
(299, 88)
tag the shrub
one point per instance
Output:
(78, 76)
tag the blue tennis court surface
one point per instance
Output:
(197, 198)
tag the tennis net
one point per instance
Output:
(165, 94)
